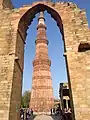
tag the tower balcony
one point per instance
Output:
(42, 62)
(41, 26)
(41, 41)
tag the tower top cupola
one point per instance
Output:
(41, 21)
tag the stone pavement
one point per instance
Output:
(43, 117)
(46, 117)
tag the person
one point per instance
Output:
(54, 110)
(31, 111)
(57, 111)
(69, 116)
(51, 111)
(69, 110)
(60, 111)
(22, 114)
(65, 110)
(28, 113)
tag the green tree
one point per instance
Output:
(26, 99)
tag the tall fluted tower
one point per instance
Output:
(42, 93)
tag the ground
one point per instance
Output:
(47, 117)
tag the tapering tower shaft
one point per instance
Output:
(42, 92)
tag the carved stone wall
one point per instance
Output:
(76, 35)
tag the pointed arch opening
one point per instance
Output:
(27, 19)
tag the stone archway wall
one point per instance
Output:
(76, 35)
(6, 4)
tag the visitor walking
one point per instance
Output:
(28, 113)
(51, 111)
(31, 111)
(21, 114)
(54, 111)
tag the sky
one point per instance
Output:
(55, 47)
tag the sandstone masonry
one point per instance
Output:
(73, 26)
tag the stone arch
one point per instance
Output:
(29, 15)
(66, 23)
(73, 26)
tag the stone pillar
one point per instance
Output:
(11, 67)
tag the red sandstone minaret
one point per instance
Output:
(42, 93)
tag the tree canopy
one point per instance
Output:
(26, 99)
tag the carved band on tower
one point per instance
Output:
(42, 99)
